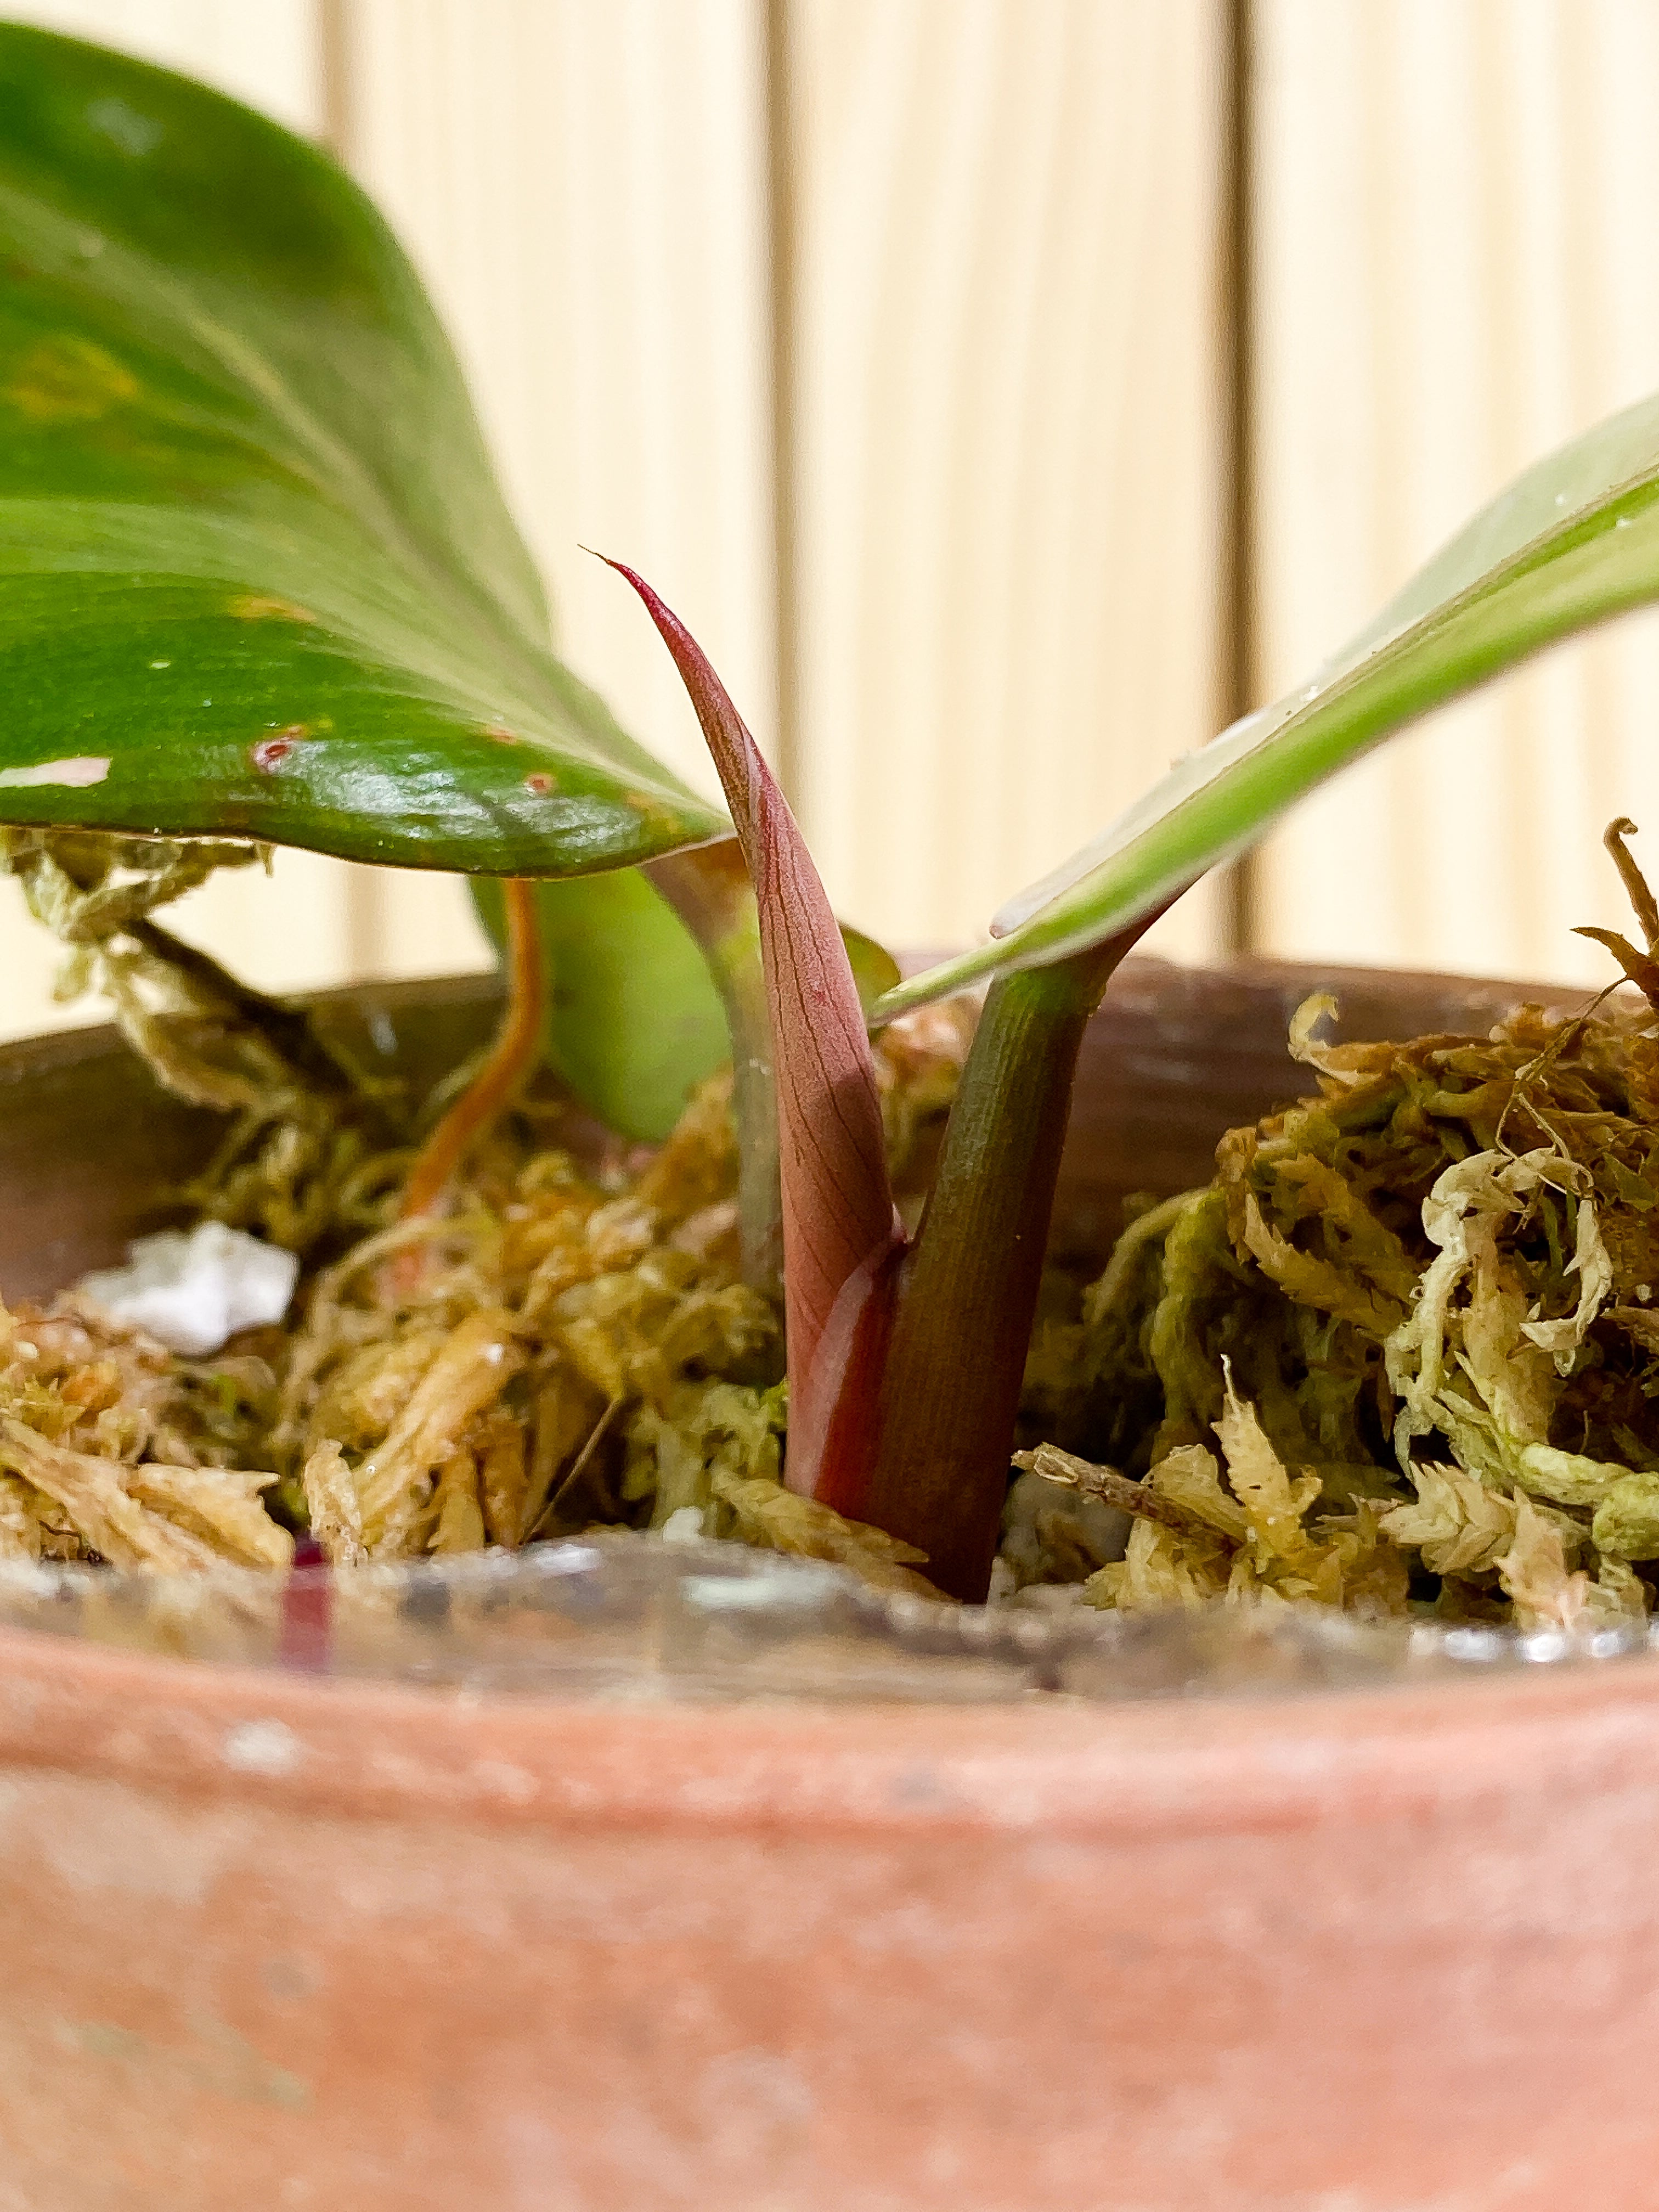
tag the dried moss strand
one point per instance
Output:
(1644, 905)
(1111, 1488)
(287, 1028)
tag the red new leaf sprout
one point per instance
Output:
(841, 1234)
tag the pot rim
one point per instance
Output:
(386, 1750)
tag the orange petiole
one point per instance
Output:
(511, 1063)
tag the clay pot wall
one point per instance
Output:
(269, 1939)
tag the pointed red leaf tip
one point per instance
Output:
(840, 1231)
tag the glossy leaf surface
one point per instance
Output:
(1572, 542)
(256, 577)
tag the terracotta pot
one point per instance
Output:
(1382, 1934)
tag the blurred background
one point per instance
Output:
(1009, 393)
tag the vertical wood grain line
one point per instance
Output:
(782, 140)
(1505, 243)
(1238, 661)
(1582, 63)
(334, 75)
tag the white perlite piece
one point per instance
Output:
(191, 1292)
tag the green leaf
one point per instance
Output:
(633, 1020)
(256, 575)
(1572, 542)
(875, 971)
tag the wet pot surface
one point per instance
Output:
(271, 1939)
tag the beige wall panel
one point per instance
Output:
(300, 930)
(267, 52)
(1452, 226)
(582, 182)
(1005, 421)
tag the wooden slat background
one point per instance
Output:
(615, 323)
(1454, 271)
(1006, 410)
(893, 339)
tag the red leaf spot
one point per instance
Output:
(270, 750)
(500, 733)
(541, 783)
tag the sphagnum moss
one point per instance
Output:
(1402, 1353)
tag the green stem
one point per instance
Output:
(969, 1286)
(708, 888)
